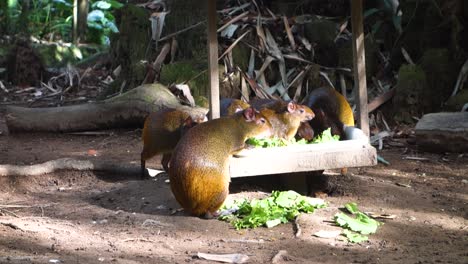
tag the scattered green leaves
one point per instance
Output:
(267, 142)
(326, 136)
(361, 224)
(280, 207)
(354, 237)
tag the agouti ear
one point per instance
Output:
(292, 106)
(238, 109)
(249, 114)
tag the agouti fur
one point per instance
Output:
(230, 106)
(286, 117)
(331, 111)
(161, 132)
(199, 171)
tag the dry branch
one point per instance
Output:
(67, 164)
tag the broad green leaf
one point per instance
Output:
(354, 237)
(362, 223)
(95, 16)
(102, 5)
(352, 208)
(76, 52)
(115, 4)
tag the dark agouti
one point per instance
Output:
(230, 106)
(285, 117)
(331, 111)
(199, 171)
(161, 132)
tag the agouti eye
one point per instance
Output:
(262, 120)
(301, 111)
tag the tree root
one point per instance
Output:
(68, 164)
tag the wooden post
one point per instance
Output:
(82, 19)
(75, 22)
(359, 65)
(213, 61)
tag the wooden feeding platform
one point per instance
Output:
(355, 152)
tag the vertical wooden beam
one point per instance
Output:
(82, 19)
(359, 65)
(213, 61)
(75, 22)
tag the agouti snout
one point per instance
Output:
(199, 171)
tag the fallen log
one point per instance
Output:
(443, 132)
(68, 164)
(126, 110)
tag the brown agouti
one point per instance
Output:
(286, 117)
(230, 106)
(331, 111)
(161, 132)
(199, 171)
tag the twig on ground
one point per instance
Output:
(11, 225)
(66, 164)
(138, 239)
(297, 227)
(9, 212)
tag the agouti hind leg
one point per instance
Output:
(143, 169)
(216, 203)
(166, 158)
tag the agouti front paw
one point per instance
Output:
(209, 215)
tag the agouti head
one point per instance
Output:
(303, 112)
(286, 117)
(256, 123)
(305, 131)
(234, 106)
(190, 122)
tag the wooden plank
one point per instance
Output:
(213, 61)
(348, 153)
(359, 65)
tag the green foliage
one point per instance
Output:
(409, 98)
(101, 21)
(356, 228)
(326, 136)
(52, 19)
(280, 207)
(183, 71)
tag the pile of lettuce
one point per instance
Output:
(280, 207)
(326, 136)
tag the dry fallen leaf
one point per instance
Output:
(327, 233)
(227, 258)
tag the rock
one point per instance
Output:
(443, 132)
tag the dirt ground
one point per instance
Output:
(87, 217)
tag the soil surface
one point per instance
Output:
(90, 217)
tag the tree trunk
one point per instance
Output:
(126, 110)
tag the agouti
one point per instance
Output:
(230, 106)
(161, 132)
(285, 117)
(331, 111)
(199, 171)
